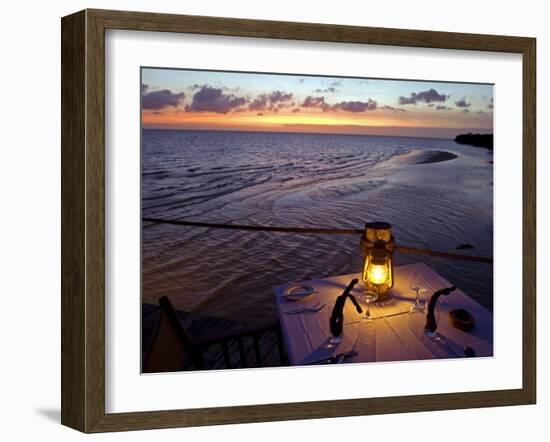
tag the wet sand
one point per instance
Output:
(425, 157)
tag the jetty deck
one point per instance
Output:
(200, 325)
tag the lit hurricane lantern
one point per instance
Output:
(377, 245)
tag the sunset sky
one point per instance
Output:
(209, 100)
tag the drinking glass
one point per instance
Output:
(334, 340)
(432, 341)
(438, 343)
(369, 296)
(437, 313)
(335, 336)
(417, 286)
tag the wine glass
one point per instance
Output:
(436, 341)
(334, 340)
(431, 340)
(416, 286)
(369, 296)
(434, 335)
(336, 330)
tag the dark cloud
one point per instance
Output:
(280, 96)
(332, 87)
(272, 101)
(317, 102)
(326, 91)
(462, 103)
(346, 106)
(393, 109)
(356, 106)
(160, 99)
(428, 96)
(209, 99)
(231, 89)
(442, 107)
(144, 88)
(197, 86)
(260, 114)
(295, 110)
(431, 105)
(313, 101)
(490, 105)
(466, 111)
(259, 103)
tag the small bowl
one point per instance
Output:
(461, 319)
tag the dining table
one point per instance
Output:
(393, 334)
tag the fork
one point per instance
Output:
(312, 309)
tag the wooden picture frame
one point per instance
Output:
(83, 219)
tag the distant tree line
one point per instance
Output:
(478, 140)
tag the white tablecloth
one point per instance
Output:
(395, 338)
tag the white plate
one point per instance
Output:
(295, 292)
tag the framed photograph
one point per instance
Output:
(270, 220)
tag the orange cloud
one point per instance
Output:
(317, 119)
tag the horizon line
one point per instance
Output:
(467, 131)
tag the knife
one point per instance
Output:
(337, 359)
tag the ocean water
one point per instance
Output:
(302, 180)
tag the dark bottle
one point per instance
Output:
(337, 316)
(431, 324)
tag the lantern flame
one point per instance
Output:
(377, 273)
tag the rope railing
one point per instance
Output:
(311, 230)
